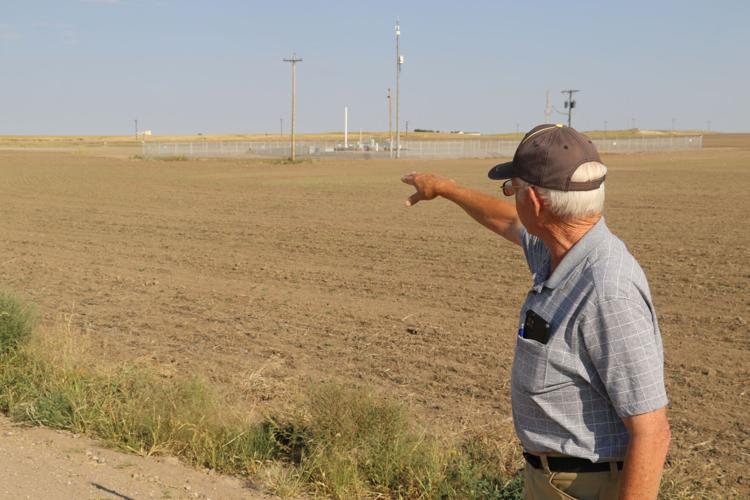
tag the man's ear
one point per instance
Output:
(537, 204)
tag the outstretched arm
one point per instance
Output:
(493, 213)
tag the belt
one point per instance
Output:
(569, 464)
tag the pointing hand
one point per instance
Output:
(427, 186)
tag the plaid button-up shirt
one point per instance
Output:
(603, 359)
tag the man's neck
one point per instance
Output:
(561, 236)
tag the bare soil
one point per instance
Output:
(42, 463)
(266, 277)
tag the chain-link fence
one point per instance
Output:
(204, 149)
(660, 143)
(467, 148)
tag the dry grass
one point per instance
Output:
(339, 443)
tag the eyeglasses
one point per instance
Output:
(509, 189)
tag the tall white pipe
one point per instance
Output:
(346, 127)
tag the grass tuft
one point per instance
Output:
(351, 443)
(16, 322)
(359, 442)
(475, 471)
(174, 158)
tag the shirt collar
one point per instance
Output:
(575, 255)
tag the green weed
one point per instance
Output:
(16, 322)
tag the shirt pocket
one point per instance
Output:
(530, 365)
(561, 366)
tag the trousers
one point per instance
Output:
(542, 484)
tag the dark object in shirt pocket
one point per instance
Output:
(535, 327)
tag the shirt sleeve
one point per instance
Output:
(625, 349)
(534, 250)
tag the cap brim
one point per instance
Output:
(502, 171)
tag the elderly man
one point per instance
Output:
(588, 396)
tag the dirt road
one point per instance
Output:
(42, 463)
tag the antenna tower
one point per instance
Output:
(399, 62)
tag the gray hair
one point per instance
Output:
(569, 205)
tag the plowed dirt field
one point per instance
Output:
(266, 277)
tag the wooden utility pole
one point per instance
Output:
(294, 60)
(570, 103)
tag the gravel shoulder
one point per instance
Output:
(44, 463)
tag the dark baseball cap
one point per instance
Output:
(547, 157)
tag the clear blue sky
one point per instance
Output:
(184, 66)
